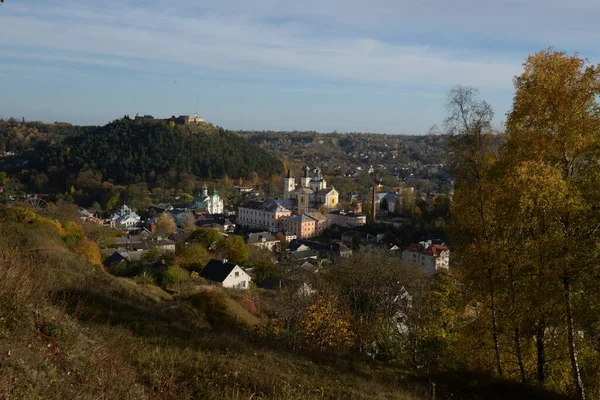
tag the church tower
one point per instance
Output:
(289, 185)
(305, 181)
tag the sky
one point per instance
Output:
(347, 65)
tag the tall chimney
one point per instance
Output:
(373, 204)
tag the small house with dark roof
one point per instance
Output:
(114, 259)
(226, 274)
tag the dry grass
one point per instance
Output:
(68, 330)
(93, 336)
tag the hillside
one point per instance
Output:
(128, 151)
(69, 329)
(347, 158)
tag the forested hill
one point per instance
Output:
(129, 151)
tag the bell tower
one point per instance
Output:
(289, 185)
(305, 181)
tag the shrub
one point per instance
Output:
(173, 276)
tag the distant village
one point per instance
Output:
(294, 228)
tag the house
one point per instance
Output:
(89, 216)
(325, 250)
(226, 274)
(352, 239)
(308, 267)
(289, 236)
(181, 237)
(163, 244)
(263, 240)
(143, 242)
(114, 260)
(215, 221)
(431, 256)
(303, 254)
(346, 220)
(257, 214)
(387, 201)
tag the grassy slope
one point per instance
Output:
(68, 329)
(97, 336)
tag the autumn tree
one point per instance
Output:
(263, 264)
(554, 127)
(378, 290)
(165, 225)
(90, 250)
(189, 222)
(192, 256)
(469, 136)
(327, 326)
(173, 276)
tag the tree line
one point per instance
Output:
(526, 224)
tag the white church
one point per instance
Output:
(212, 204)
(312, 193)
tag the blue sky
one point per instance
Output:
(347, 65)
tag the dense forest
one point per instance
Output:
(128, 151)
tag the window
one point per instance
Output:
(237, 274)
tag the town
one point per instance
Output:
(307, 229)
(359, 208)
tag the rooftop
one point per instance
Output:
(217, 270)
(260, 205)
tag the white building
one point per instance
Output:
(125, 217)
(432, 257)
(257, 214)
(346, 220)
(312, 193)
(226, 274)
(212, 204)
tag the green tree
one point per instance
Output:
(234, 249)
(207, 237)
(263, 265)
(174, 276)
(192, 256)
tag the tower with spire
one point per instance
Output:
(305, 181)
(311, 194)
(289, 185)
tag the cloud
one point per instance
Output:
(268, 41)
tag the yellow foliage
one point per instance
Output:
(326, 326)
(90, 250)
